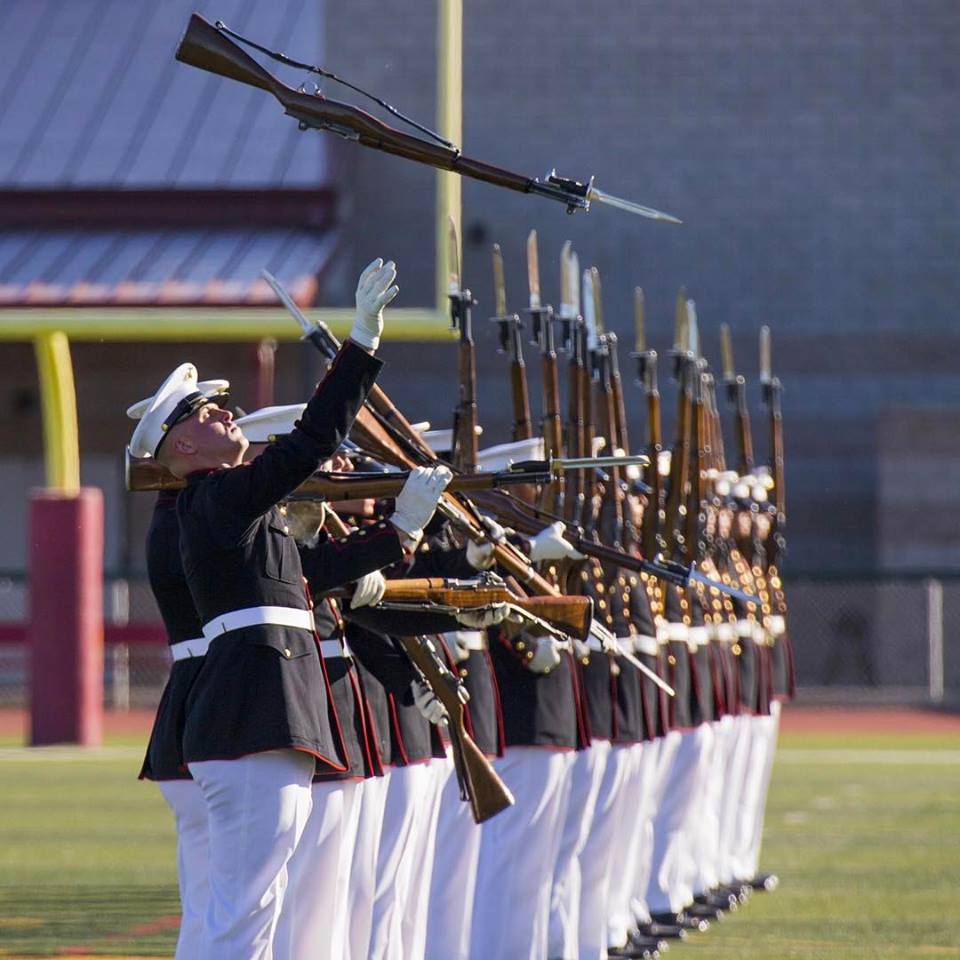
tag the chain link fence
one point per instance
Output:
(856, 641)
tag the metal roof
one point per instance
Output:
(220, 266)
(91, 96)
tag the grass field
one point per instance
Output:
(863, 830)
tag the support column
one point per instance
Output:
(66, 617)
(449, 125)
(66, 571)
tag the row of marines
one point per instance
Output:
(304, 758)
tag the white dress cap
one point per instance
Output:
(500, 457)
(268, 423)
(177, 397)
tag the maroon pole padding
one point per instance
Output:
(65, 631)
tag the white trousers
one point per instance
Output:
(409, 814)
(362, 882)
(674, 826)
(454, 877)
(313, 924)
(763, 746)
(655, 770)
(586, 776)
(416, 871)
(632, 842)
(190, 818)
(706, 850)
(518, 852)
(738, 753)
(257, 808)
(599, 858)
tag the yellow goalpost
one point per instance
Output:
(51, 329)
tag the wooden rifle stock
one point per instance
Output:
(745, 462)
(147, 474)
(487, 793)
(699, 456)
(480, 784)
(569, 614)
(465, 448)
(522, 422)
(613, 488)
(207, 48)
(651, 516)
(574, 493)
(679, 460)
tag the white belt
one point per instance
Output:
(594, 644)
(663, 633)
(726, 632)
(258, 616)
(777, 625)
(646, 645)
(189, 648)
(696, 637)
(263, 616)
(677, 631)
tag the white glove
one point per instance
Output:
(546, 656)
(426, 702)
(483, 617)
(549, 544)
(368, 590)
(418, 499)
(457, 642)
(375, 289)
(480, 555)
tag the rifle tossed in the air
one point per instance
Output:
(208, 46)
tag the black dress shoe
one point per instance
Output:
(682, 920)
(638, 939)
(717, 900)
(764, 882)
(634, 953)
(668, 931)
(703, 911)
(736, 889)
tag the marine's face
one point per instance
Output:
(208, 438)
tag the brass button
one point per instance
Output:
(286, 652)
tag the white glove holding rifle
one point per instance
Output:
(417, 500)
(484, 616)
(549, 544)
(368, 591)
(546, 654)
(375, 289)
(425, 700)
(480, 555)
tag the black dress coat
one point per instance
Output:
(164, 757)
(264, 687)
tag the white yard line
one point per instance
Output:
(32, 754)
(869, 756)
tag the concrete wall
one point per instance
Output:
(810, 147)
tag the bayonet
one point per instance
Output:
(499, 288)
(533, 270)
(639, 329)
(453, 249)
